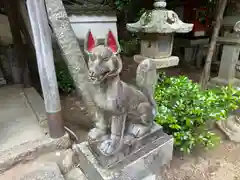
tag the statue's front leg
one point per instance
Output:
(100, 128)
(115, 142)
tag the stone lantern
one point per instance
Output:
(229, 67)
(156, 29)
(229, 75)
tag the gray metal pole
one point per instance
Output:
(43, 47)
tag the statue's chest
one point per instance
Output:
(109, 99)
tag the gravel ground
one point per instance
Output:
(221, 163)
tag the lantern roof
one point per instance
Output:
(160, 20)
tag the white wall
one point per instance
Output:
(99, 26)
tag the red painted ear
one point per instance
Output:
(90, 42)
(111, 42)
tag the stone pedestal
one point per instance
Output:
(231, 127)
(227, 71)
(217, 81)
(143, 163)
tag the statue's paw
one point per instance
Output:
(96, 133)
(108, 147)
(138, 130)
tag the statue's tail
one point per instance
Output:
(146, 80)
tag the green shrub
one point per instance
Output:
(130, 47)
(64, 79)
(185, 111)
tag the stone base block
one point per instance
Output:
(160, 63)
(143, 164)
(231, 127)
(130, 146)
(217, 81)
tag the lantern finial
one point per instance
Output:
(160, 4)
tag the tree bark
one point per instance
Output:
(25, 26)
(12, 8)
(72, 53)
(207, 68)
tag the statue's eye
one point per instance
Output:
(92, 57)
(105, 58)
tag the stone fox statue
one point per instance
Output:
(124, 109)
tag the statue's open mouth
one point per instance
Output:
(96, 78)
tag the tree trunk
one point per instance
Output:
(72, 53)
(20, 64)
(25, 26)
(207, 68)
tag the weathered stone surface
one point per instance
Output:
(157, 46)
(217, 81)
(75, 174)
(229, 59)
(124, 109)
(231, 127)
(49, 171)
(32, 150)
(130, 146)
(18, 123)
(160, 20)
(228, 62)
(65, 159)
(66, 163)
(139, 165)
(150, 177)
(37, 104)
(160, 63)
